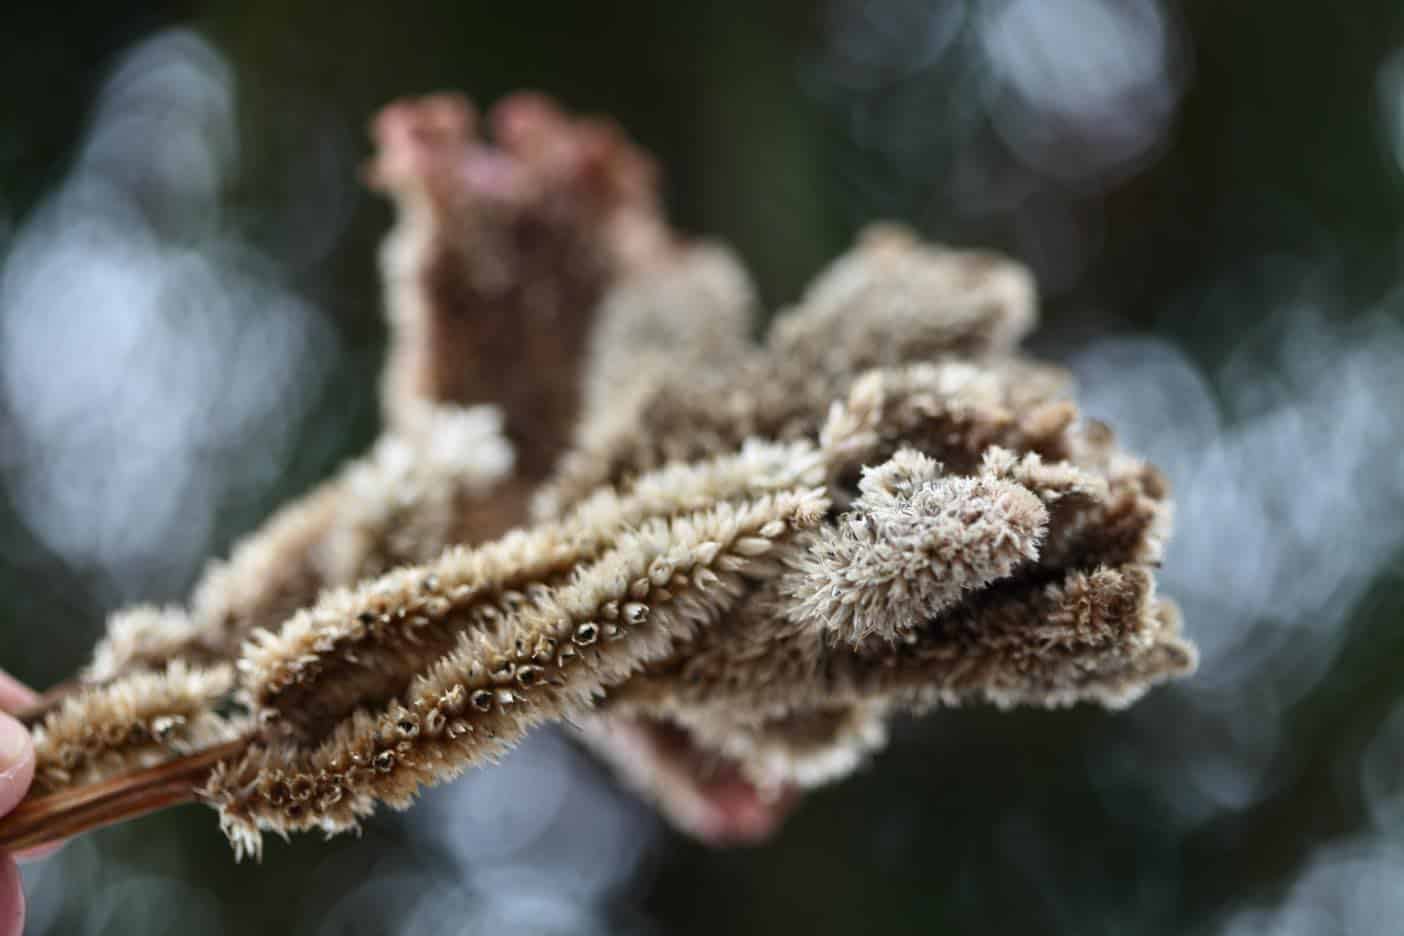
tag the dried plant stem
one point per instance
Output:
(57, 816)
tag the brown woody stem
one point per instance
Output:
(57, 816)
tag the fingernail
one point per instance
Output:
(14, 742)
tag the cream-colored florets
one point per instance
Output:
(913, 544)
(766, 547)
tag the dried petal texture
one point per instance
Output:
(953, 411)
(699, 791)
(1130, 523)
(656, 585)
(1099, 636)
(140, 720)
(914, 544)
(694, 309)
(1003, 419)
(767, 660)
(889, 302)
(805, 748)
(746, 556)
(1052, 482)
(362, 646)
(893, 299)
(492, 272)
(1105, 505)
(269, 574)
(408, 499)
(500, 253)
(141, 637)
(402, 503)
(689, 314)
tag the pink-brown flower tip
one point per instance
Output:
(703, 792)
(738, 812)
(416, 137)
(587, 153)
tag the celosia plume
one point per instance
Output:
(597, 499)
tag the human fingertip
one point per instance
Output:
(14, 694)
(16, 764)
(11, 898)
(16, 747)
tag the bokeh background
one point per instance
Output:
(1212, 196)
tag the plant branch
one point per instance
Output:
(51, 818)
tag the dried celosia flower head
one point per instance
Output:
(743, 556)
(501, 252)
(104, 731)
(649, 590)
(914, 544)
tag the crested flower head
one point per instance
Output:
(598, 500)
